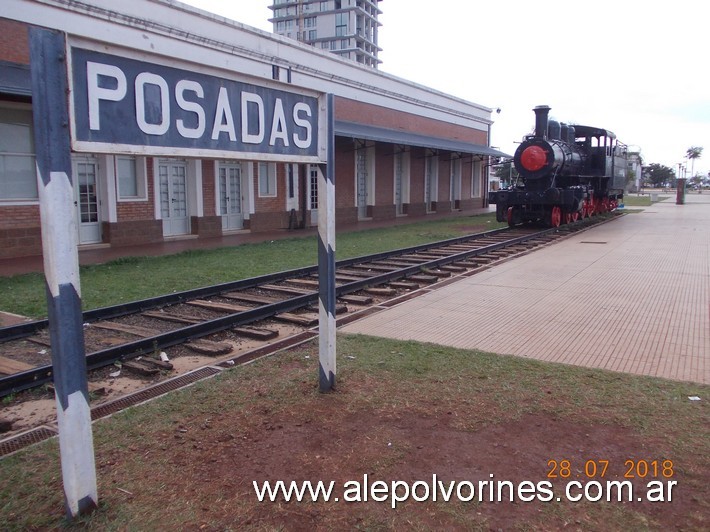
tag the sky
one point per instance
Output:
(637, 68)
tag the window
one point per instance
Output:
(18, 173)
(476, 180)
(309, 22)
(267, 179)
(130, 177)
(324, 6)
(312, 35)
(341, 24)
(290, 181)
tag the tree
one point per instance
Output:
(659, 175)
(505, 171)
(692, 153)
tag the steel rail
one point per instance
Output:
(43, 374)
(22, 330)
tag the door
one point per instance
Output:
(173, 198)
(87, 200)
(313, 193)
(230, 197)
(362, 183)
(398, 185)
(455, 182)
(430, 182)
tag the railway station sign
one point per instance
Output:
(125, 105)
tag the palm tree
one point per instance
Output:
(692, 153)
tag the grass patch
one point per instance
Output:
(402, 410)
(134, 278)
(637, 201)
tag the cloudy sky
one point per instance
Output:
(635, 67)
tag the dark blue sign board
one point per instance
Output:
(123, 105)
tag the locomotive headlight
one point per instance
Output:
(533, 158)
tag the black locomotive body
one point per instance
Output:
(566, 172)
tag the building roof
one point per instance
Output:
(394, 136)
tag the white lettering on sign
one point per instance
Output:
(297, 110)
(223, 119)
(154, 97)
(161, 128)
(258, 137)
(190, 86)
(96, 93)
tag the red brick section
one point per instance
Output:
(353, 111)
(14, 41)
(208, 188)
(20, 233)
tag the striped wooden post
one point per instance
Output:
(61, 267)
(326, 257)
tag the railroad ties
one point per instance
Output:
(254, 311)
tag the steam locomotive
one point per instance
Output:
(566, 172)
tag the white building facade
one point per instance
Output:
(348, 28)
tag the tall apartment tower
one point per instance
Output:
(345, 27)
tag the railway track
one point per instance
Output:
(197, 320)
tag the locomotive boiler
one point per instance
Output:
(566, 172)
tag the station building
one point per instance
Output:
(401, 149)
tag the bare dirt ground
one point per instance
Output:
(401, 412)
(321, 440)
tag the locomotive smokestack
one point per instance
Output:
(541, 114)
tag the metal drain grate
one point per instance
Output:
(592, 242)
(151, 393)
(21, 441)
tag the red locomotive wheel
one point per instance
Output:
(568, 217)
(510, 217)
(555, 216)
(575, 215)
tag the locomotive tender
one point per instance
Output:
(566, 172)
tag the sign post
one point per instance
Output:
(61, 267)
(326, 259)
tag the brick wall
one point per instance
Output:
(416, 182)
(20, 231)
(353, 111)
(384, 175)
(206, 226)
(133, 232)
(208, 188)
(14, 42)
(345, 174)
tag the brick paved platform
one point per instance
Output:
(632, 295)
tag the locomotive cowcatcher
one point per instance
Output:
(566, 172)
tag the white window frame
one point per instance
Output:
(476, 178)
(141, 180)
(270, 181)
(32, 200)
